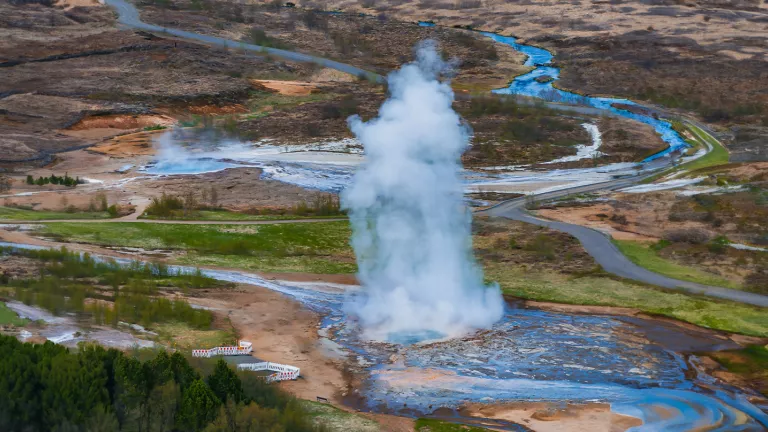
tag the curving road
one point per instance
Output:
(128, 16)
(605, 253)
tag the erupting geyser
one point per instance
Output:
(411, 227)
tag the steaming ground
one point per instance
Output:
(411, 232)
(330, 165)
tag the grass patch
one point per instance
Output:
(751, 363)
(321, 247)
(262, 100)
(331, 418)
(717, 156)
(9, 317)
(602, 291)
(432, 425)
(752, 359)
(231, 216)
(11, 213)
(181, 336)
(295, 264)
(642, 255)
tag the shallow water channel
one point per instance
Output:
(529, 85)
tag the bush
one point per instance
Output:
(341, 109)
(491, 105)
(321, 205)
(542, 246)
(757, 281)
(5, 183)
(258, 36)
(619, 219)
(164, 206)
(687, 235)
(718, 244)
(112, 210)
(315, 21)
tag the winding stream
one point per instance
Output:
(541, 59)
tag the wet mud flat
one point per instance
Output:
(68, 331)
(564, 363)
(628, 364)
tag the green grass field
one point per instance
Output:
(15, 214)
(230, 216)
(717, 156)
(182, 336)
(603, 291)
(324, 248)
(7, 316)
(333, 419)
(642, 255)
(431, 425)
(321, 247)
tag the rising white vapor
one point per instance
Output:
(411, 228)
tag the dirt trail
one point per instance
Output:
(141, 205)
(288, 88)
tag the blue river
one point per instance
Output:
(541, 60)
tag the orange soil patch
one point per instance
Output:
(123, 122)
(747, 171)
(551, 417)
(135, 144)
(288, 88)
(588, 217)
(69, 4)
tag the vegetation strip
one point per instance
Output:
(324, 248)
(645, 256)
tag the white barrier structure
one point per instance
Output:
(282, 372)
(242, 348)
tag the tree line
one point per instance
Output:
(66, 180)
(45, 387)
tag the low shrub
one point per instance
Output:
(718, 244)
(687, 235)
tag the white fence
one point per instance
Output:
(242, 348)
(282, 372)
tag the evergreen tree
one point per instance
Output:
(183, 373)
(198, 407)
(225, 383)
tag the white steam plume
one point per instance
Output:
(411, 227)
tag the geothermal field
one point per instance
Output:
(383, 216)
